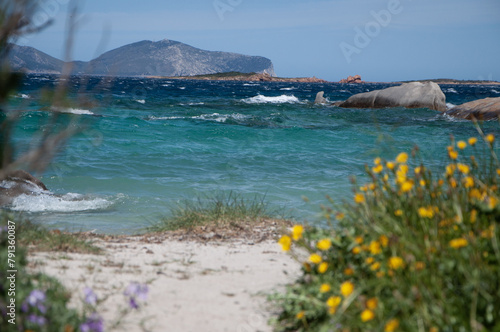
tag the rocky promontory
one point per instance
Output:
(250, 77)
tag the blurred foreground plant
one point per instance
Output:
(416, 250)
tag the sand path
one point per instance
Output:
(193, 286)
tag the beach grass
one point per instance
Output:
(221, 210)
(37, 237)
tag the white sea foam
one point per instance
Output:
(23, 96)
(450, 105)
(192, 104)
(74, 111)
(451, 90)
(260, 99)
(288, 89)
(140, 101)
(250, 84)
(495, 91)
(182, 88)
(47, 202)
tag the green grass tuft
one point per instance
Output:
(220, 210)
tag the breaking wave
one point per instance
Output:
(260, 99)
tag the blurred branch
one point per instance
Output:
(16, 20)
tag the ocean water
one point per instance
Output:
(146, 144)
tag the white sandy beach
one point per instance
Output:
(193, 286)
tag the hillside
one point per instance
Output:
(146, 58)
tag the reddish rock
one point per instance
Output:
(352, 79)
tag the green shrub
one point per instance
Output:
(416, 250)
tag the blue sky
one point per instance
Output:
(381, 40)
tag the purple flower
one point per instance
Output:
(38, 320)
(90, 296)
(36, 297)
(136, 291)
(94, 323)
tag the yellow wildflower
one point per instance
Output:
(375, 266)
(380, 274)
(315, 259)
(323, 267)
(356, 250)
(453, 183)
(359, 239)
(346, 288)
(378, 169)
(453, 154)
(349, 271)
(468, 182)
(423, 183)
(418, 170)
(433, 329)
(461, 145)
(377, 161)
(369, 260)
(297, 231)
(406, 186)
(325, 288)
(475, 193)
(402, 158)
(498, 171)
(472, 141)
(458, 243)
(490, 138)
(384, 240)
(391, 325)
(390, 165)
(396, 262)
(359, 198)
(372, 303)
(367, 315)
(465, 169)
(363, 188)
(334, 301)
(286, 242)
(300, 315)
(450, 169)
(340, 216)
(473, 216)
(426, 212)
(324, 244)
(375, 248)
(398, 213)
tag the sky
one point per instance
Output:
(381, 40)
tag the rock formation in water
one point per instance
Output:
(352, 79)
(481, 109)
(17, 183)
(409, 95)
(320, 99)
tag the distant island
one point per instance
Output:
(144, 58)
(249, 77)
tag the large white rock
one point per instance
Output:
(410, 95)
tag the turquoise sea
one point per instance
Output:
(147, 144)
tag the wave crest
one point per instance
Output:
(260, 99)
